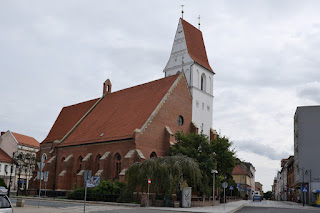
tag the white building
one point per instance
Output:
(13, 144)
(189, 55)
(5, 167)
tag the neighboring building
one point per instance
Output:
(283, 180)
(292, 195)
(274, 188)
(189, 55)
(242, 174)
(5, 167)
(10, 143)
(259, 188)
(108, 134)
(306, 150)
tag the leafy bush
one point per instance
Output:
(2, 183)
(106, 191)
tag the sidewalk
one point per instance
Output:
(229, 207)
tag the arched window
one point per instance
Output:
(44, 157)
(203, 82)
(117, 161)
(153, 155)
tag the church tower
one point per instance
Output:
(189, 55)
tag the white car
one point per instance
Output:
(3, 190)
(5, 204)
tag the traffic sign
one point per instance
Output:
(149, 181)
(231, 187)
(304, 189)
(238, 185)
(224, 185)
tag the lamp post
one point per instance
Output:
(11, 170)
(213, 185)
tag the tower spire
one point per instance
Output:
(199, 22)
(182, 11)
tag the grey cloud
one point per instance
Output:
(259, 148)
(310, 91)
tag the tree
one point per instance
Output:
(216, 154)
(166, 173)
(2, 183)
(267, 195)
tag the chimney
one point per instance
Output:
(106, 87)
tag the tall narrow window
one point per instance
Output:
(117, 159)
(203, 82)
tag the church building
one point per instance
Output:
(108, 134)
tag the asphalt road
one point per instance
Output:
(56, 203)
(249, 209)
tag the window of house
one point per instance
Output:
(203, 82)
(180, 120)
(117, 159)
(153, 155)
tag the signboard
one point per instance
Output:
(87, 175)
(242, 189)
(149, 181)
(224, 185)
(45, 176)
(304, 189)
(231, 187)
(93, 182)
(238, 185)
(40, 166)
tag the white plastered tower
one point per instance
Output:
(188, 54)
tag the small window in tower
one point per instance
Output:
(202, 106)
(180, 120)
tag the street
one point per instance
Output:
(250, 209)
(66, 206)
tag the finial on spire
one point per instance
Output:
(182, 11)
(199, 22)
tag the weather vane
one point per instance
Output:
(182, 10)
(199, 22)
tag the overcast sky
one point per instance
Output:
(265, 55)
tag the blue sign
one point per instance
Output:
(304, 189)
(238, 185)
(242, 189)
(231, 187)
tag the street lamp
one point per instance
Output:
(213, 171)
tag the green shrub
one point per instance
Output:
(105, 191)
(2, 183)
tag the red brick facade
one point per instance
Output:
(110, 158)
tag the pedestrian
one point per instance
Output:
(246, 196)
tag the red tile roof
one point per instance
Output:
(118, 114)
(4, 157)
(67, 118)
(26, 140)
(195, 45)
(237, 170)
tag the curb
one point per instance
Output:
(81, 201)
(237, 209)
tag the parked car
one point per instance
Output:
(3, 190)
(5, 204)
(257, 196)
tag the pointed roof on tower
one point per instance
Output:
(195, 44)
